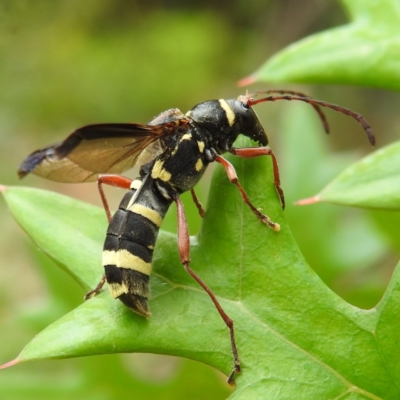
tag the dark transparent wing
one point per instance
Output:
(92, 150)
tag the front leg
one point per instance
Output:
(250, 152)
(230, 171)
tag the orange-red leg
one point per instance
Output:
(230, 171)
(184, 250)
(250, 152)
(198, 203)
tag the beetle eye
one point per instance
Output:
(245, 106)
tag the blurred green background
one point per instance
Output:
(69, 63)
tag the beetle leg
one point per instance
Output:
(198, 203)
(97, 289)
(112, 180)
(230, 171)
(250, 152)
(184, 250)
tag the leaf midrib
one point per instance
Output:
(352, 388)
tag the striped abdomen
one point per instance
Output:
(129, 245)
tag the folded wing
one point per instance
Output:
(90, 151)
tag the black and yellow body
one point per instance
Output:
(129, 245)
(173, 151)
(133, 230)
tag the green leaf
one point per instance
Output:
(296, 338)
(364, 52)
(373, 182)
(351, 246)
(70, 232)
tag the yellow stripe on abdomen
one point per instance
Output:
(148, 213)
(124, 259)
(116, 289)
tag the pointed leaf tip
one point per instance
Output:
(309, 200)
(10, 363)
(246, 81)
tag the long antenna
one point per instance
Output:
(316, 104)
